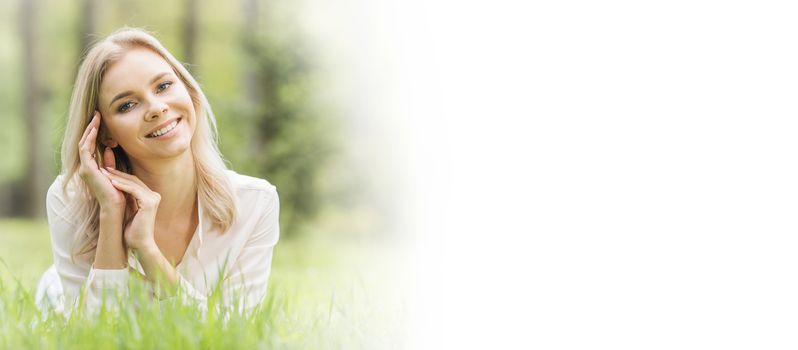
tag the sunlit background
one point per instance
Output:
(299, 89)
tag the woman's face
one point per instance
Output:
(140, 99)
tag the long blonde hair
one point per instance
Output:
(213, 187)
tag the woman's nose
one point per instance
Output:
(158, 110)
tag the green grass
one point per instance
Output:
(323, 293)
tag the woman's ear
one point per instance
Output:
(109, 142)
(106, 138)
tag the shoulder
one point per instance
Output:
(56, 196)
(249, 188)
(61, 204)
(257, 205)
(56, 188)
(241, 182)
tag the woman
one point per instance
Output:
(144, 190)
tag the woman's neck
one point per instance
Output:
(175, 180)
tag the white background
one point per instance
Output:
(584, 174)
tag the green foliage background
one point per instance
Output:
(282, 131)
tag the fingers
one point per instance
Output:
(108, 158)
(91, 146)
(87, 145)
(145, 197)
(125, 185)
(86, 149)
(132, 203)
(130, 177)
(88, 127)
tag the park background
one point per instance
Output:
(292, 91)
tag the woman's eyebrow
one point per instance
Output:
(128, 93)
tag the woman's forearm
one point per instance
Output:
(111, 252)
(158, 270)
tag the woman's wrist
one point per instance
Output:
(111, 222)
(110, 253)
(147, 249)
(111, 211)
(158, 270)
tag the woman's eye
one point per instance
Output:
(125, 107)
(163, 86)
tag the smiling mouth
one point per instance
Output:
(165, 130)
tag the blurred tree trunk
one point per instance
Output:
(36, 169)
(190, 34)
(88, 25)
(249, 79)
(287, 139)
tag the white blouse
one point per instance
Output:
(243, 254)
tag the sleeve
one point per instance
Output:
(245, 284)
(98, 285)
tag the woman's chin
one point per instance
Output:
(177, 148)
(172, 149)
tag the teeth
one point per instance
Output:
(164, 130)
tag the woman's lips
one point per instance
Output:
(168, 133)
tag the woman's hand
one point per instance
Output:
(140, 231)
(100, 186)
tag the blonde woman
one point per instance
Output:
(144, 190)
